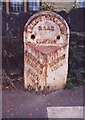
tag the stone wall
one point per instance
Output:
(12, 37)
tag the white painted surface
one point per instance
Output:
(65, 112)
(57, 79)
(49, 67)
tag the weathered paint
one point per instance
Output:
(46, 44)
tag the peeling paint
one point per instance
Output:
(46, 44)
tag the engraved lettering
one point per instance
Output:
(50, 28)
(40, 28)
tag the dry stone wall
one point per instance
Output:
(12, 36)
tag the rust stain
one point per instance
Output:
(46, 35)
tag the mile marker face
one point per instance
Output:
(46, 43)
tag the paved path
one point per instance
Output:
(20, 104)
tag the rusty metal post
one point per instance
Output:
(25, 5)
(7, 6)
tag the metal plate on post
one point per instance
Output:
(46, 44)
